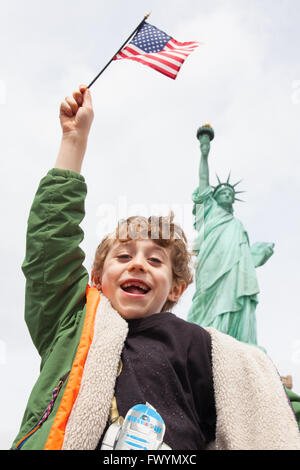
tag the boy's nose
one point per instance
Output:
(138, 263)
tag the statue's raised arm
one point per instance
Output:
(204, 134)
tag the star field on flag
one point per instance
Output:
(151, 46)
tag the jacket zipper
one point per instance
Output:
(47, 411)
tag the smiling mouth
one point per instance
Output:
(135, 288)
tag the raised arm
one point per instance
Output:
(76, 116)
(56, 279)
(205, 135)
(203, 170)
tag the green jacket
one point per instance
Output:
(56, 283)
(59, 308)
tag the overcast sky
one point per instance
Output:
(244, 80)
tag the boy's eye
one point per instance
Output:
(156, 260)
(123, 256)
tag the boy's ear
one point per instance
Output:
(96, 277)
(176, 291)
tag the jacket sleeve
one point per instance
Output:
(295, 403)
(56, 279)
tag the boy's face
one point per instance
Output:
(137, 278)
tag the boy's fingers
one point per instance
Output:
(72, 103)
(78, 97)
(87, 98)
(82, 88)
(66, 109)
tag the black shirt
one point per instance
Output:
(167, 363)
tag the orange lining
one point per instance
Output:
(57, 432)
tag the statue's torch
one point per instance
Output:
(205, 135)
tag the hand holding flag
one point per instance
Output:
(76, 113)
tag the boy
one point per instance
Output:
(209, 389)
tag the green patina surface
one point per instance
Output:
(226, 282)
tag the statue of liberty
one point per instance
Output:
(226, 282)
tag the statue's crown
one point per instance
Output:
(227, 184)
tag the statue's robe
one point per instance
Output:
(226, 282)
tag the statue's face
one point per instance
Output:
(225, 198)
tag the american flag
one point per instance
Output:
(158, 50)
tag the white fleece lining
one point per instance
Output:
(253, 411)
(91, 408)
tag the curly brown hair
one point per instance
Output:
(163, 231)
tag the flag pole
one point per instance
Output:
(123, 45)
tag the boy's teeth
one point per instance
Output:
(135, 290)
(133, 284)
(134, 287)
